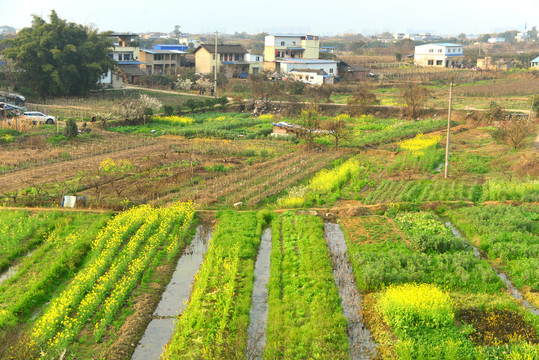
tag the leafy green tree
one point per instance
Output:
(59, 58)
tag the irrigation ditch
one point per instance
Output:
(360, 342)
(13, 269)
(258, 313)
(174, 299)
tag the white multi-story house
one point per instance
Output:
(442, 54)
(521, 36)
(496, 40)
(287, 53)
(291, 46)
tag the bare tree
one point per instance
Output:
(339, 129)
(310, 126)
(358, 103)
(513, 132)
(415, 97)
(319, 93)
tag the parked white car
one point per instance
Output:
(39, 118)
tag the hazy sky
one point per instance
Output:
(316, 16)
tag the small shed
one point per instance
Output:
(284, 128)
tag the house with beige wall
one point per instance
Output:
(236, 61)
(161, 61)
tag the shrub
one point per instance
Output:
(168, 110)
(71, 130)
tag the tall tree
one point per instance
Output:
(59, 58)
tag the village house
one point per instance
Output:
(126, 53)
(488, 63)
(234, 59)
(291, 46)
(311, 76)
(496, 40)
(329, 67)
(353, 72)
(441, 54)
(535, 63)
(161, 61)
(299, 53)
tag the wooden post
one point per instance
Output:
(446, 173)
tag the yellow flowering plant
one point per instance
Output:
(415, 305)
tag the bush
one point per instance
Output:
(7, 138)
(71, 130)
(240, 87)
(168, 110)
(55, 139)
(192, 104)
(295, 87)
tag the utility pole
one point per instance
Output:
(446, 173)
(215, 70)
(531, 110)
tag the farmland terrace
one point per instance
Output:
(309, 250)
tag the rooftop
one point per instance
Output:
(315, 71)
(442, 44)
(292, 35)
(164, 51)
(305, 61)
(235, 49)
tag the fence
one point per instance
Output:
(78, 153)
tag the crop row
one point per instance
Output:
(61, 252)
(379, 130)
(121, 254)
(18, 233)
(424, 190)
(509, 234)
(305, 314)
(214, 324)
(325, 182)
(429, 253)
(412, 283)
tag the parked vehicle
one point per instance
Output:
(39, 118)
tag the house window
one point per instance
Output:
(221, 57)
(282, 43)
(331, 71)
(430, 62)
(439, 62)
(213, 56)
(439, 50)
(431, 50)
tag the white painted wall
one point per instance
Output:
(275, 40)
(433, 49)
(253, 57)
(330, 68)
